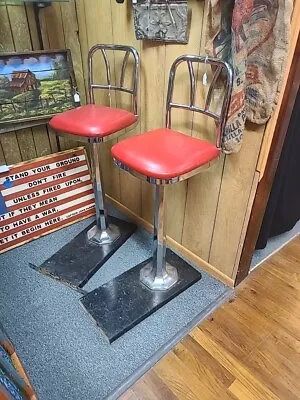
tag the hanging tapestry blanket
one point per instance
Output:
(253, 35)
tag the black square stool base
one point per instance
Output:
(123, 302)
(76, 262)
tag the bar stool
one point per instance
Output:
(95, 124)
(164, 156)
(161, 157)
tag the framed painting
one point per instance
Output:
(35, 85)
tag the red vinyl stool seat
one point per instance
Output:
(164, 153)
(92, 121)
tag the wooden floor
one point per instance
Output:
(248, 349)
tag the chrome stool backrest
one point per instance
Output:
(220, 67)
(102, 48)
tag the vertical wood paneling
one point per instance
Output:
(22, 42)
(98, 26)
(246, 222)
(54, 26)
(181, 120)
(40, 133)
(41, 141)
(201, 206)
(235, 191)
(52, 140)
(26, 144)
(2, 158)
(153, 56)
(82, 37)
(19, 27)
(130, 187)
(10, 148)
(53, 37)
(71, 40)
(203, 189)
(44, 33)
(6, 39)
(70, 28)
(36, 45)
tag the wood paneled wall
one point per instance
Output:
(206, 214)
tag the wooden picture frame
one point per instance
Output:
(35, 85)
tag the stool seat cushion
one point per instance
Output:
(92, 121)
(164, 153)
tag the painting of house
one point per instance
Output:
(35, 85)
(23, 81)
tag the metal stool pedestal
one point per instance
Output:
(158, 274)
(126, 300)
(102, 233)
(76, 262)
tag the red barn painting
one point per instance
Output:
(35, 85)
(23, 81)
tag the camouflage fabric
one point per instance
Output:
(253, 35)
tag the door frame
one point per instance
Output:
(265, 185)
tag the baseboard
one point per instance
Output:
(189, 255)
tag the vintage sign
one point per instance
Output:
(43, 195)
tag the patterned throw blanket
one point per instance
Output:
(253, 35)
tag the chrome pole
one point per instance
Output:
(101, 219)
(159, 244)
(158, 274)
(101, 233)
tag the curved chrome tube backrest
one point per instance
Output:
(136, 66)
(220, 66)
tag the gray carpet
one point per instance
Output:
(61, 348)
